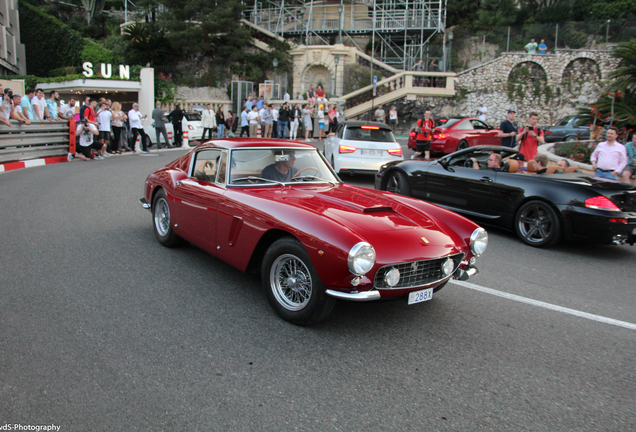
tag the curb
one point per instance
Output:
(11, 166)
(30, 163)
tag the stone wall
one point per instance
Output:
(552, 85)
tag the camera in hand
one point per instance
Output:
(530, 127)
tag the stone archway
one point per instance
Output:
(528, 72)
(317, 74)
(581, 69)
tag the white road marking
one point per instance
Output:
(544, 305)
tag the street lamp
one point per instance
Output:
(336, 59)
(302, 21)
(275, 63)
(450, 45)
(339, 25)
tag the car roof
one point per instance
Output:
(356, 123)
(233, 143)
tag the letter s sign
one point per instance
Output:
(88, 69)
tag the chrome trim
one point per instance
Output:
(359, 296)
(144, 204)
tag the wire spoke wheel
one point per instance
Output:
(291, 282)
(162, 217)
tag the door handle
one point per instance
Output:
(485, 180)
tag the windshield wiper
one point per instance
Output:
(251, 179)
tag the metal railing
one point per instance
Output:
(37, 140)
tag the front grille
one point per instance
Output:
(416, 273)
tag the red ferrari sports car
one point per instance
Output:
(459, 133)
(278, 208)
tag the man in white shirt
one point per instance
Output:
(39, 106)
(67, 111)
(136, 128)
(254, 119)
(609, 159)
(103, 118)
(482, 112)
(17, 113)
(275, 118)
(286, 97)
(86, 132)
(208, 121)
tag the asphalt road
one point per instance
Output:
(101, 328)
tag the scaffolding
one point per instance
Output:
(399, 29)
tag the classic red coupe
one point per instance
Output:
(278, 208)
(459, 133)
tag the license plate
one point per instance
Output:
(420, 296)
(371, 152)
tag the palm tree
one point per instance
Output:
(625, 75)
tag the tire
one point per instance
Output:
(537, 224)
(463, 144)
(397, 183)
(571, 138)
(147, 140)
(292, 285)
(161, 221)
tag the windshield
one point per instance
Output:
(368, 133)
(278, 166)
(564, 121)
(193, 117)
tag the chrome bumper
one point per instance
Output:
(464, 275)
(359, 296)
(144, 204)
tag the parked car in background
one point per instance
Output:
(541, 209)
(277, 208)
(569, 128)
(361, 147)
(152, 135)
(459, 133)
(192, 123)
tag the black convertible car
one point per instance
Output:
(541, 208)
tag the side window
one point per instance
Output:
(465, 125)
(478, 124)
(581, 123)
(206, 164)
(221, 175)
(340, 130)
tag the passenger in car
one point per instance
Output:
(541, 163)
(494, 162)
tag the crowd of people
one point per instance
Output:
(290, 120)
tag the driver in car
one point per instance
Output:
(283, 170)
(494, 162)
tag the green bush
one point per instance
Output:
(578, 151)
(96, 54)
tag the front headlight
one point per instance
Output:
(478, 241)
(361, 258)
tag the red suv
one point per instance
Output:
(459, 133)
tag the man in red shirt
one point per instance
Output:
(530, 137)
(424, 130)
